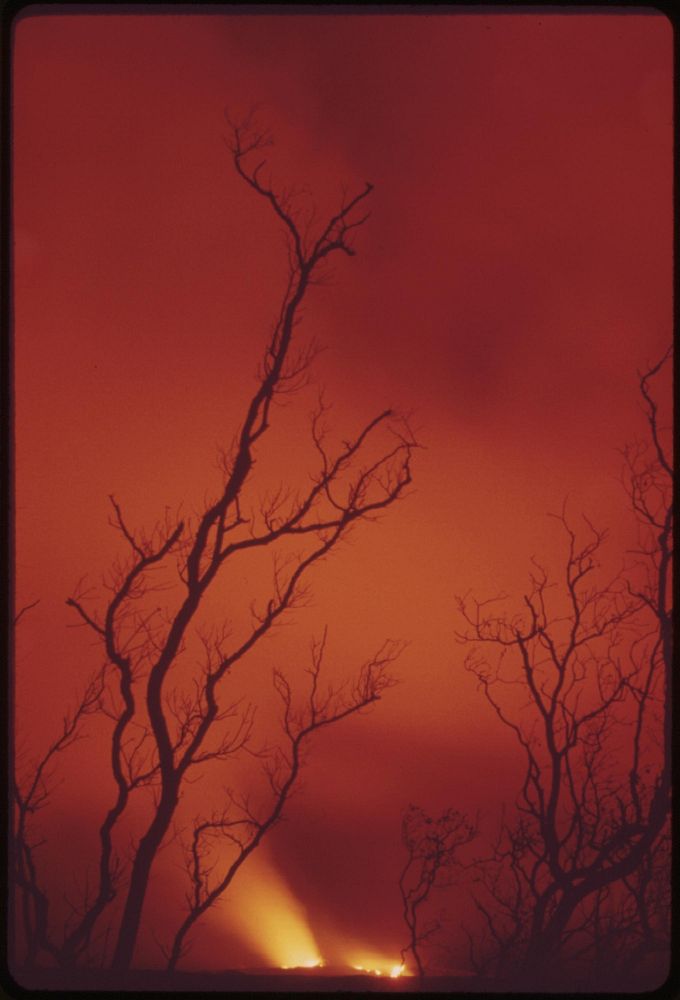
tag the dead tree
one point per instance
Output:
(31, 789)
(582, 680)
(239, 827)
(162, 728)
(31, 793)
(432, 846)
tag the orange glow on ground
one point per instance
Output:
(380, 967)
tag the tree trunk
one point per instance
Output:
(139, 880)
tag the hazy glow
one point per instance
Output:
(379, 967)
(272, 920)
(556, 166)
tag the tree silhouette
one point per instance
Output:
(579, 874)
(30, 794)
(239, 826)
(166, 723)
(432, 846)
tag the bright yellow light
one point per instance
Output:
(378, 966)
(272, 920)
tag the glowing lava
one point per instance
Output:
(271, 919)
(381, 967)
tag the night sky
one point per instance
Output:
(514, 274)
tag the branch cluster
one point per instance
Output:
(432, 846)
(582, 680)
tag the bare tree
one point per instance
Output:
(432, 846)
(163, 725)
(31, 793)
(32, 785)
(583, 679)
(239, 826)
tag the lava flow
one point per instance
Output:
(381, 969)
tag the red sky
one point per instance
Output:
(514, 274)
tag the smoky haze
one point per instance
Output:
(513, 275)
